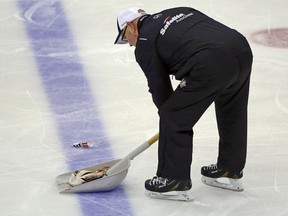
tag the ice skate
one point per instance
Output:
(169, 189)
(213, 176)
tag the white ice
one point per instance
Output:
(31, 155)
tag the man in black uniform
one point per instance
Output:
(213, 63)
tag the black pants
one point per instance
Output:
(218, 78)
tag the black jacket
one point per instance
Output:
(170, 39)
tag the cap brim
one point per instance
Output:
(119, 39)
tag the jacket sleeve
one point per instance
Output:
(157, 75)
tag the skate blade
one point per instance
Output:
(234, 184)
(171, 195)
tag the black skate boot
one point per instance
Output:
(165, 188)
(211, 174)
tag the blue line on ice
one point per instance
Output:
(70, 98)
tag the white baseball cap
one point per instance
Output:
(124, 17)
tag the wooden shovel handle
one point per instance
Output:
(153, 139)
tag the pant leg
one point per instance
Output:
(176, 136)
(185, 107)
(231, 113)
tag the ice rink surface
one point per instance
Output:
(64, 81)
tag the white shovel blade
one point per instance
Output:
(104, 183)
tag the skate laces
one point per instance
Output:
(158, 180)
(212, 167)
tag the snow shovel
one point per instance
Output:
(110, 180)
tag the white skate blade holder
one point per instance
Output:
(224, 183)
(171, 195)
